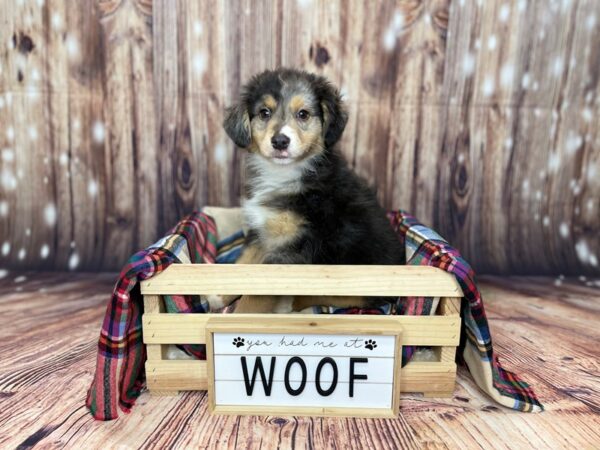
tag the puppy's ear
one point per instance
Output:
(237, 125)
(334, 115)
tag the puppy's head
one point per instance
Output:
(286, 116)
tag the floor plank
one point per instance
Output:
(544, 329)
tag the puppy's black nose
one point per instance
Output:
(280, 141)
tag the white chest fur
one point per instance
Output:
(269, 181)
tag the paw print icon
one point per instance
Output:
(239, 342)
(370, 344)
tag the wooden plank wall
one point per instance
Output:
(481, 118)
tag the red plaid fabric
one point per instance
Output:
(119, 375)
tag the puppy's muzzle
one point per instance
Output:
(280, 141)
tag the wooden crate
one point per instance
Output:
(441, 331)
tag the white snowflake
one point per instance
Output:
(73, 261)
(492, 42)
(93, 188)
(3, 208)
(56, 21)
(546, 221)
(392, 31)
(573, 143)
(98, 132)
(10, 133)
(557, 66)
(3, 273)
(35, 74)
(487, 88)
(63, 159)
(504, 13)
(525, 80)
(44, 251)
(198, 28)
(50, 214)
(5, 248)
(468, 64)
(33, 134)
(507, 75)
(563, 229)
(8, 155)
(583, 251)
(72, 46)
(590, 22)
(220, 153)
(21, 255)
(199, 63)
(587, 115)
(8, 180)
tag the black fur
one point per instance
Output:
(237, 125)
(346, 225)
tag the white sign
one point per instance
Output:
(303, 371)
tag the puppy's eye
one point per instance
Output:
(303, 114)
(264, 113)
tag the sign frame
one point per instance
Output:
(290, 325)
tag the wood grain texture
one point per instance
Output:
(190, 329)
(546, 333)
(481, 118)
(302, 279)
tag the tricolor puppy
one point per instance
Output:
(303, 204)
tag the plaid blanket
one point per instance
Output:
(119, 376)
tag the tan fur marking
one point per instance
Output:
(286, 224)
(297, 102)
(252, 254)
(262, 134)
(270, 102)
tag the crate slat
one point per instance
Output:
(190, 328)
(300, 279)
(185, 375)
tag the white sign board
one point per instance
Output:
(304, 372)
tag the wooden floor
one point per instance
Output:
(49, 324)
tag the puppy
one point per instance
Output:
(303, 204)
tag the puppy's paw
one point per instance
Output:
(173, 352)
(218, 302)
